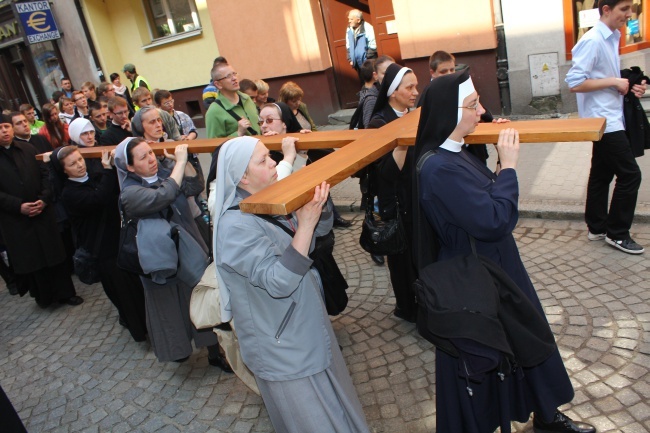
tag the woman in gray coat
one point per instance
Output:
(149, 190)
(275, 298)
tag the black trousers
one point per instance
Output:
(612, 156)
(402, 275)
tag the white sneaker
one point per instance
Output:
(595, 236)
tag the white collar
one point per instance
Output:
(452, 146)
(79, 179)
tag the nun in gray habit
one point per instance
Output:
(269, 289)
(148, 190)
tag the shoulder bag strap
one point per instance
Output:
(235, 116)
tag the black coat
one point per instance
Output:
(114, 135)
(39, 142)
(33, 243)
(92, 210)
(392, 184)
(637, 127)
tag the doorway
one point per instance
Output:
(380, 14)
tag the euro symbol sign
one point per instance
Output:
(36, 21)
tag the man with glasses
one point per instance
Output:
(233, 113)
(165, 102)
(80, 105)
(120, 126)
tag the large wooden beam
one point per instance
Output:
(289, 194)
(530, 131)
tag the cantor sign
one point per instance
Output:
(38, 21)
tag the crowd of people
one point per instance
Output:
(449, 202)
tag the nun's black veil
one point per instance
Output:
(288, 117)
(438, 119)
(389, 76)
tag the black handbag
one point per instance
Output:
(382, 237)
(334, 284)
(127, 254)
(86, 265)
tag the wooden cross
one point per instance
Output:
(361, 147)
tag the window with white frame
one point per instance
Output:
(171, 17)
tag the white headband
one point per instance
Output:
(465, 89)
(397, 80)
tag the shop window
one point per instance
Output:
(581, 15)
(169, 18)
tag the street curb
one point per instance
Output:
(550, 211)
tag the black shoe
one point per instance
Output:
(404, 315)
(221, 362)
(182, 359)
(562, 424)
(625, 245)
(72, 300)
(377, 259)
(13, 289)
(340, 222)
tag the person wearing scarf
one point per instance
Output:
(148, 190)
(90, 201)
(458, 196)
(391, 181)
(274, 297)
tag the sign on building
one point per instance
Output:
(38, 21)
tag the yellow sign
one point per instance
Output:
(545, 68)
(8, 30)
(36, 20)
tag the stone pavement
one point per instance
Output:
(75, 369)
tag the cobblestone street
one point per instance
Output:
(71, 369)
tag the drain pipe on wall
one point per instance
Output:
(502, 60)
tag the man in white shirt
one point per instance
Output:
(595, 77)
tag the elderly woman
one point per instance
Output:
(462, 203)
(274, 297)
(277, 118)
(398, 94)
(148, 123)
(152, 191)
(90, 200)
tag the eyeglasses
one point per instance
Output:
(474, 106)
(169, 103)
(268, 121)
(230, 76)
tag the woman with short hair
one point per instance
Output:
(66, 110)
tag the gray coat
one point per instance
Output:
(168, 314)
(276, 298)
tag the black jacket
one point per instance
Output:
(637, 127)
(114, 135)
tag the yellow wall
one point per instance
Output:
(119, 31)
(271, 38)
(425, 26)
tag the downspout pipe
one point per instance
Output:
(502, 60)
(91, 43)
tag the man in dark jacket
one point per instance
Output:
(23, 132)
(120, 127)
(28, 224)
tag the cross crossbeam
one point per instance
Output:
(361, 147)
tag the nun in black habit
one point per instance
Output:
(90, 201)
(392, 181)
(459, 196)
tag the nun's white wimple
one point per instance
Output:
(465, 89)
